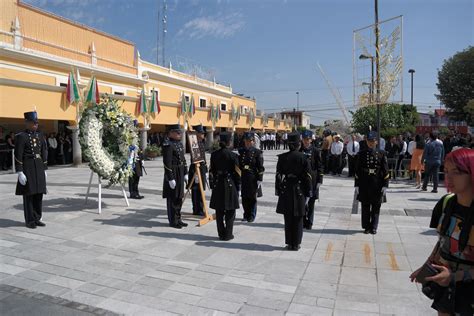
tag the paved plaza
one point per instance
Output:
(128, 261)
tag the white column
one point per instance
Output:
(144, 137)
(76, 147)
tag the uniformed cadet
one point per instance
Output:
(134, 179)
(224, 178)
(293, 187)
(176, 174)
(31, 157)
(371, 182)
(198, 207)
(251, 165)
(313, 155)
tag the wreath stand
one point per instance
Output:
(207, 217)
(100, 192)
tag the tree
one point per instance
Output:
(394, 119)
(456, 85)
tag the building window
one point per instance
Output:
(62, 84)
(118, 93)
(202, 103)
(187, 98)
(223, 107)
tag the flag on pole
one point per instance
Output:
(192, 108)
(184, 106)
(155, 103)
(72, 90)
(218, 112)
(142, 103)
(93, 92)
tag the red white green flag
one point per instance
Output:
(155, 103)
(141, 104)
(192, 108)
(93, 92)
(218, 111)
(72, 90)
(184, 104)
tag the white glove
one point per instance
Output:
(306, 201)
(318, 186)
(172, 184)
(45, 175)
(384, 190)
(259, 184)
(356, 190)
(143, 162)
(196, 179)
(186, 178)
(21, 178)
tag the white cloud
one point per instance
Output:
(220, 26)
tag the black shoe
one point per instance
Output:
(229, 238)
(434, 191)
(251, 220)
(423, 189)
(177, 226)
(40, 223)
(373, 231)
(31, 225)
(221, 238)
(366, 231)
(183, 224)
(140, 197)
(135, 197)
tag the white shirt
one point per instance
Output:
(382, 143)
(273, 137)
(257, 141)
(411, 147)
(285, 136)
(53, 143)
(264, 137)
(336, 148)
(404, 148)
(349, 148)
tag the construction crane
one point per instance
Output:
(337, 95)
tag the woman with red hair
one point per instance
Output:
(447, 274)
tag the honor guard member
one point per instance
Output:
(371, 182)
(31, 157)
(293, 187)
(176, 174)
(313, 155)
(251, 165)
(224, 178)
(198, 207)
(134, 179)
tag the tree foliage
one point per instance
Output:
(394, 119)
(456, 85)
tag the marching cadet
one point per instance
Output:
(31, 157)
(251, 165)
(224, 177)
(313, 155)
(371, 182)
(293, 187)
(176, 174)
(134, 179)
(198, 207)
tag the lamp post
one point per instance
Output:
(294, 119)
(297, 101)
(363, 56)
(411, 72)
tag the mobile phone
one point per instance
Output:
(426, 271)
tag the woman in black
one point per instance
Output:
(453, 255)
(224, 179)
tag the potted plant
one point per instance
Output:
(152, 151)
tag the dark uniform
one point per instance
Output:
(293, 187)
(134, 180)
(31, 157)
(198, 207)
(313, 155)
(251, 165)
(224, 177)
(371, 175)
(176, 169)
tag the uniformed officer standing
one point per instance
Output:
(313, 155)
(198, 207)
(251, 165)
(224, 177)
(293, 187)
(31, 157)
(176, 174)
(134, 179)
(371, 182)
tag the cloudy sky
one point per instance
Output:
(269, 49)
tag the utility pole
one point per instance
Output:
(411, 71)
(158, 34)
(165, 29)
(377, 70)
(297, 101)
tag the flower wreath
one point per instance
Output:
(108, 140)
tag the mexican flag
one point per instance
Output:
(93, 92)
(192, 108)
(141, 104)
(72, 90)
(218, 112)
(155, 103)
(184, 105)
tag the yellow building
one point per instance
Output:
(38, 50)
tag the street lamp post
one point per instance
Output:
(411, 72)
(297, 101)
(363, 56)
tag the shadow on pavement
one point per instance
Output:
(139, 218)
(431, 232)
(243, 246)
(67, 205)
(182, 236)
(9, 223)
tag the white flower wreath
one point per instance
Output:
(108, 140)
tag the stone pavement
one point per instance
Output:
(128, 261)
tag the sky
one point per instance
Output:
(269, 49)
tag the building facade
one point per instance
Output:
(434, 122)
